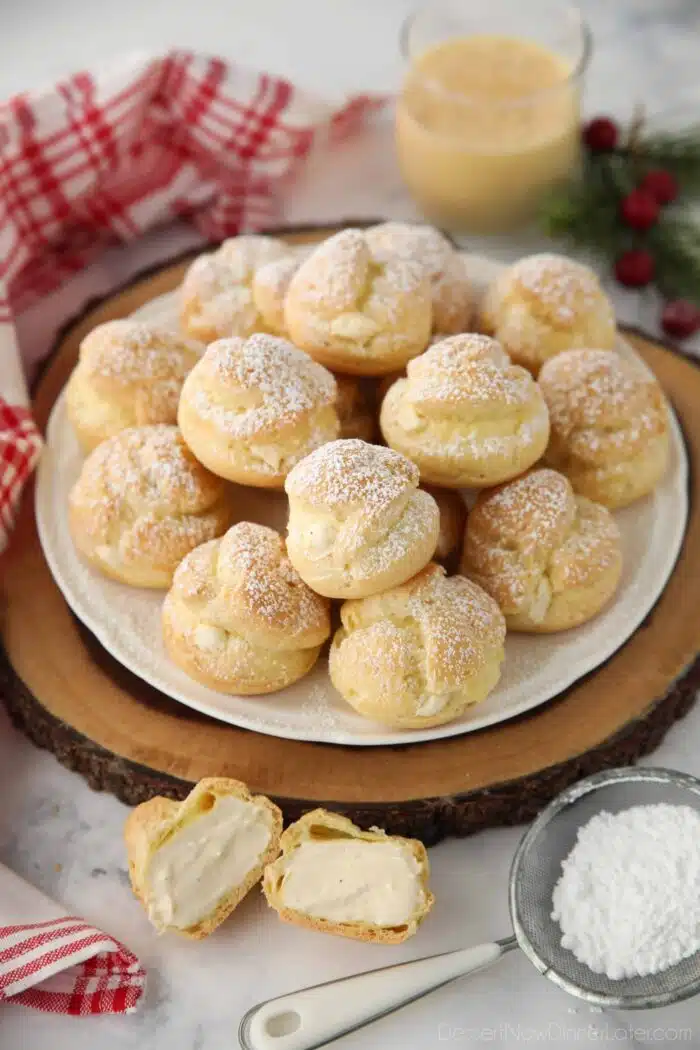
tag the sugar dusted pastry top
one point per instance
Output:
(142, 502)
(217, 292)
(352, 475)
(603, 407)
(533, 539)
(420, 653)
(459, 623)
(256, 406)
(441, 263)
(129, 374)
(356, 311)
(467, 367)
(259, 386)
(357, 520)
(466, 414)
(245, 585)
(544, 304)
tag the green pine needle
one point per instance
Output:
(677, 152)
(586, 213)
(675, 245)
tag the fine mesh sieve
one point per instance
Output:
(314, 1016)
(537, 867)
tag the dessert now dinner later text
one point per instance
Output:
(557, 1034)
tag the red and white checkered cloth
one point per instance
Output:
(58, 963)
(95, 161)
(100, 159)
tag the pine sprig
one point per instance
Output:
(587, 212)
(677, 152)
(675, 243)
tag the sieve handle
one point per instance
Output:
(314, 1016)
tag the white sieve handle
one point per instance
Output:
(314, 1016)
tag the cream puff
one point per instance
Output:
(443, 265)
(358, 523)
(419, 654)
(610, 425)
(239, 619)
(270, 284)
(466, 415)
(217, 299)
(334, 877)
(551, 559)
(252, 408)
(129, 374)
(142, 502)
(191, 863)
(357, 312)
(545, 304)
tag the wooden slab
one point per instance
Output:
(70, 696)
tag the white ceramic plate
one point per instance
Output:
(127, 621)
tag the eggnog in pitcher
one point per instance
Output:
(484, 125)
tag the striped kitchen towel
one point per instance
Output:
(59, 963)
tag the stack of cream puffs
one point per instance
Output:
(360, 382)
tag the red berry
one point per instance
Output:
(635, 268)
(680, 318)
(639, 209)
(661, 184)
(600, 135)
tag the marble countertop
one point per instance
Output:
(66, 839)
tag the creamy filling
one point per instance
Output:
(109, 556)
(353, 880)
(540, 601)
(203, 862)
(354, 326)
(270, 455)
(318, 539)
(431, 703)
(408, 419)
(210, 639)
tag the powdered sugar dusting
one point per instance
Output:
(566, 287)
(460, 623)
(351, 473)
(151, 467)
(249, 582)
(535, 508)
(532, 538)
(433, 633)
(275, 276)
(469, 369)
(142, 495)
(427, 248)
(233, 263)
(261, 382)
(131, 351)
(217, 292)
(319, 712)
(600, 404)
(423, 246)
(343, 274)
